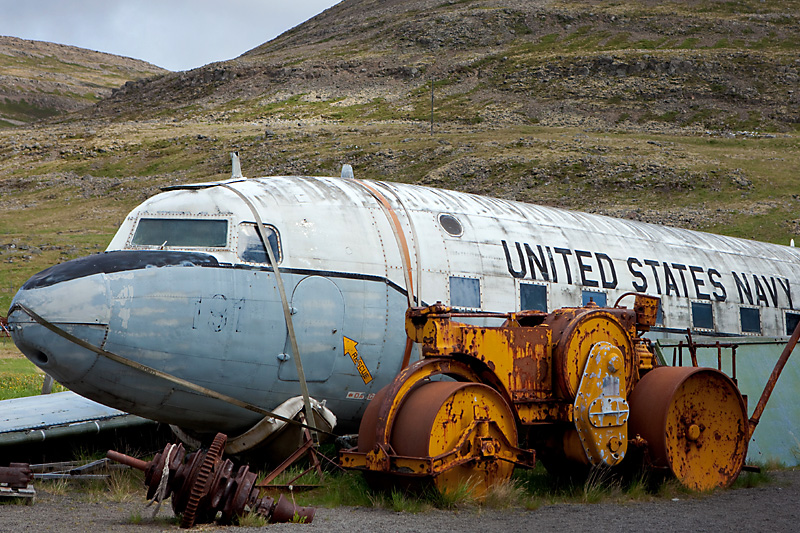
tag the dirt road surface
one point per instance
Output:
(774, 507)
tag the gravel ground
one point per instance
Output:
(773, 507)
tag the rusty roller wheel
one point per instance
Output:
(369, 422)
(695, 423)
(434, 418)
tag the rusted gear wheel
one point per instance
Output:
(181, 482)
(221, 486)
(203, 480)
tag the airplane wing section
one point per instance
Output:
(62, 414)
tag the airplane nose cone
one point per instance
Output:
(76, 305)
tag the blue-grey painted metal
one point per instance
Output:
(777, 435)
(62, 414)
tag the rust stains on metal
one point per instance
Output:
(695, 423)
(16, 475)
(583, 377)
(575, 332)
(205, 485)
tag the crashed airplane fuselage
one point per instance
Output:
(188, 288)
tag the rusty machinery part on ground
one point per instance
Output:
(16, 475)
(206, 485)
(576, 376)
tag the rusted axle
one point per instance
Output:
(127, 460)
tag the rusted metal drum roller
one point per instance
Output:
(460, 424)
(695, 423)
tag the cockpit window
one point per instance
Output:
(251, 250)
(181, 233)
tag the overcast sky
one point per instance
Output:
(173, 34)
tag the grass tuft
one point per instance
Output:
(400, 501)
(748, 480)
(599, 485)
(252, 519)
(59, 487)
(348, 489)
(461, 495)
(638, 488)
(505, 495)
(124, 485)
(671, 488)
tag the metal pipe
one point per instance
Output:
(692, 348)
(133, 462)
(773, 379)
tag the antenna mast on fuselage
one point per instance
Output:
(236, 167)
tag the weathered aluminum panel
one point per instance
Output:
(507, 243)
(37, 412)
(777, 436)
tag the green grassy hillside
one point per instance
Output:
(41, 80)
(678, 113)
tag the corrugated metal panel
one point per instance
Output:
(777, 436)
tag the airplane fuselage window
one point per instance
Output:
(451, 225)
(791, 322)
(465, 292)
(702, 315)
(532, 297)
(750, 319)
(251, 250)
(600, 298)
(181, 232)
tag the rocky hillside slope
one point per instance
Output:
(682, 113)
(702, 64)
(40, 79)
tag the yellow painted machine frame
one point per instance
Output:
(537, 363)
(580, 383)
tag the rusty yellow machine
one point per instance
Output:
(578, 387)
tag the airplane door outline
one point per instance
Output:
(318, 315)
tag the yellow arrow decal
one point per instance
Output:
(350, 350)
